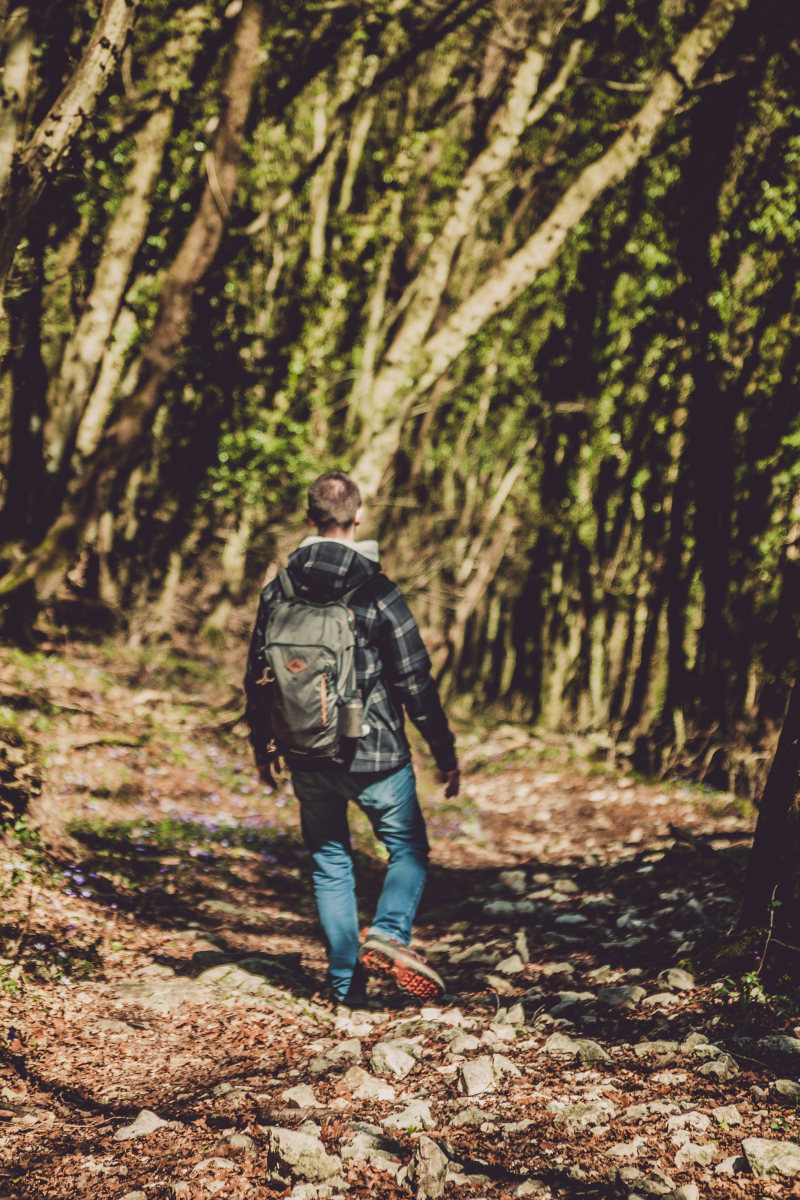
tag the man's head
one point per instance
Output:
(334, 503)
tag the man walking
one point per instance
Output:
(374, 769)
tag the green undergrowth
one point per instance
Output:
(177, 832)
(755, 998)
(138, 852)
(24, 857)
(25, 955)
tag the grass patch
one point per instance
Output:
(134, 854)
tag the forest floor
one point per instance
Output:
(164, 1030)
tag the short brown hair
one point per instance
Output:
(333, 499)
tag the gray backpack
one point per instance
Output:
(311, 672)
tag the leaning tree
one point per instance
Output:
(772, 887)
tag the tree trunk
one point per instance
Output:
(519, 271)
(81, 392)
(40, 159)
(18, 41)
(72, 387)
(109, 468)
(773, 871)
(22, 509)
(423, 297)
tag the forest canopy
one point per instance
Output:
(529, 271)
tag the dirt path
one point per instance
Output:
(164, 1031)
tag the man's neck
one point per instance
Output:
(337, 533)
(367, 549)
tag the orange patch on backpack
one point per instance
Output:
(296, 666)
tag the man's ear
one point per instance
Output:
(359, 515)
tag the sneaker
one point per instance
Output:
(382, 955)
(356, 995)
(352, 1000)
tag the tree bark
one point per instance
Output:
(110, 466)
(80, 389)
(40, 159)
(773, 870)
(519, 271)
(191, 263)
(421, 300)
(21, 514)
(18, 39)
(72, 387)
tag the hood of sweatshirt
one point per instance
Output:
(323, 569)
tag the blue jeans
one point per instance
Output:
(391, 805)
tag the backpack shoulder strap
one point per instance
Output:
(348, 596)
(286, 583)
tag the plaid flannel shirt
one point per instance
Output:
(392, 664)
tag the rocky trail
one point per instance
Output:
(164, 1028)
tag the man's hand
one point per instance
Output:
(265, 770)
(453, 780)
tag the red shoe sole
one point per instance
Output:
(405, 977)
